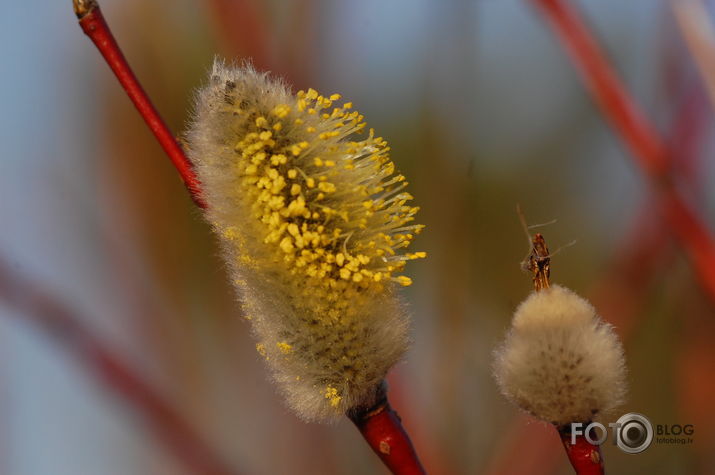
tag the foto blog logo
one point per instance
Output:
(633, 433)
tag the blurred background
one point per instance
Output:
(483, 110)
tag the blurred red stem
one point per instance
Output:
(585, 457)
(60, 322)
(93, 24)
(242, 25)
(603, 83)
(382, 429)
(638, 134)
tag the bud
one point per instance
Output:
(313, 222)
(560, 362)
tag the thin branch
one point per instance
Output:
(382, 429)
(603, 83)
(93, 24)
(381, 426)
(61, 323)
(638, 134)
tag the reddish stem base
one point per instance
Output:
(585, 457)
(382, 429)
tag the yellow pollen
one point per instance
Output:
(328, 207)
(281, 110)
(331, 394)
(284, 347)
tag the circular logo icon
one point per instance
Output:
(634, 433)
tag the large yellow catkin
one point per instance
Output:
(313, 222)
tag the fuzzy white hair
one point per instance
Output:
(560, 362)
(309, 219)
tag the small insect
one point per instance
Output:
(538, 260)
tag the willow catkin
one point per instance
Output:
(313, 222)
(560, 362)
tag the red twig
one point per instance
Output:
(603, 83)
(168, 424)
(382, 429)
(639, 135)
(381, 426)
(93, 24)
(585, 457)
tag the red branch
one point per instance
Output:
(60, 322)
(93, 24)
(585, 457)
(382, 429)
(639, 135)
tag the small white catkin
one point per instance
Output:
(560, 362)
(313, 222)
